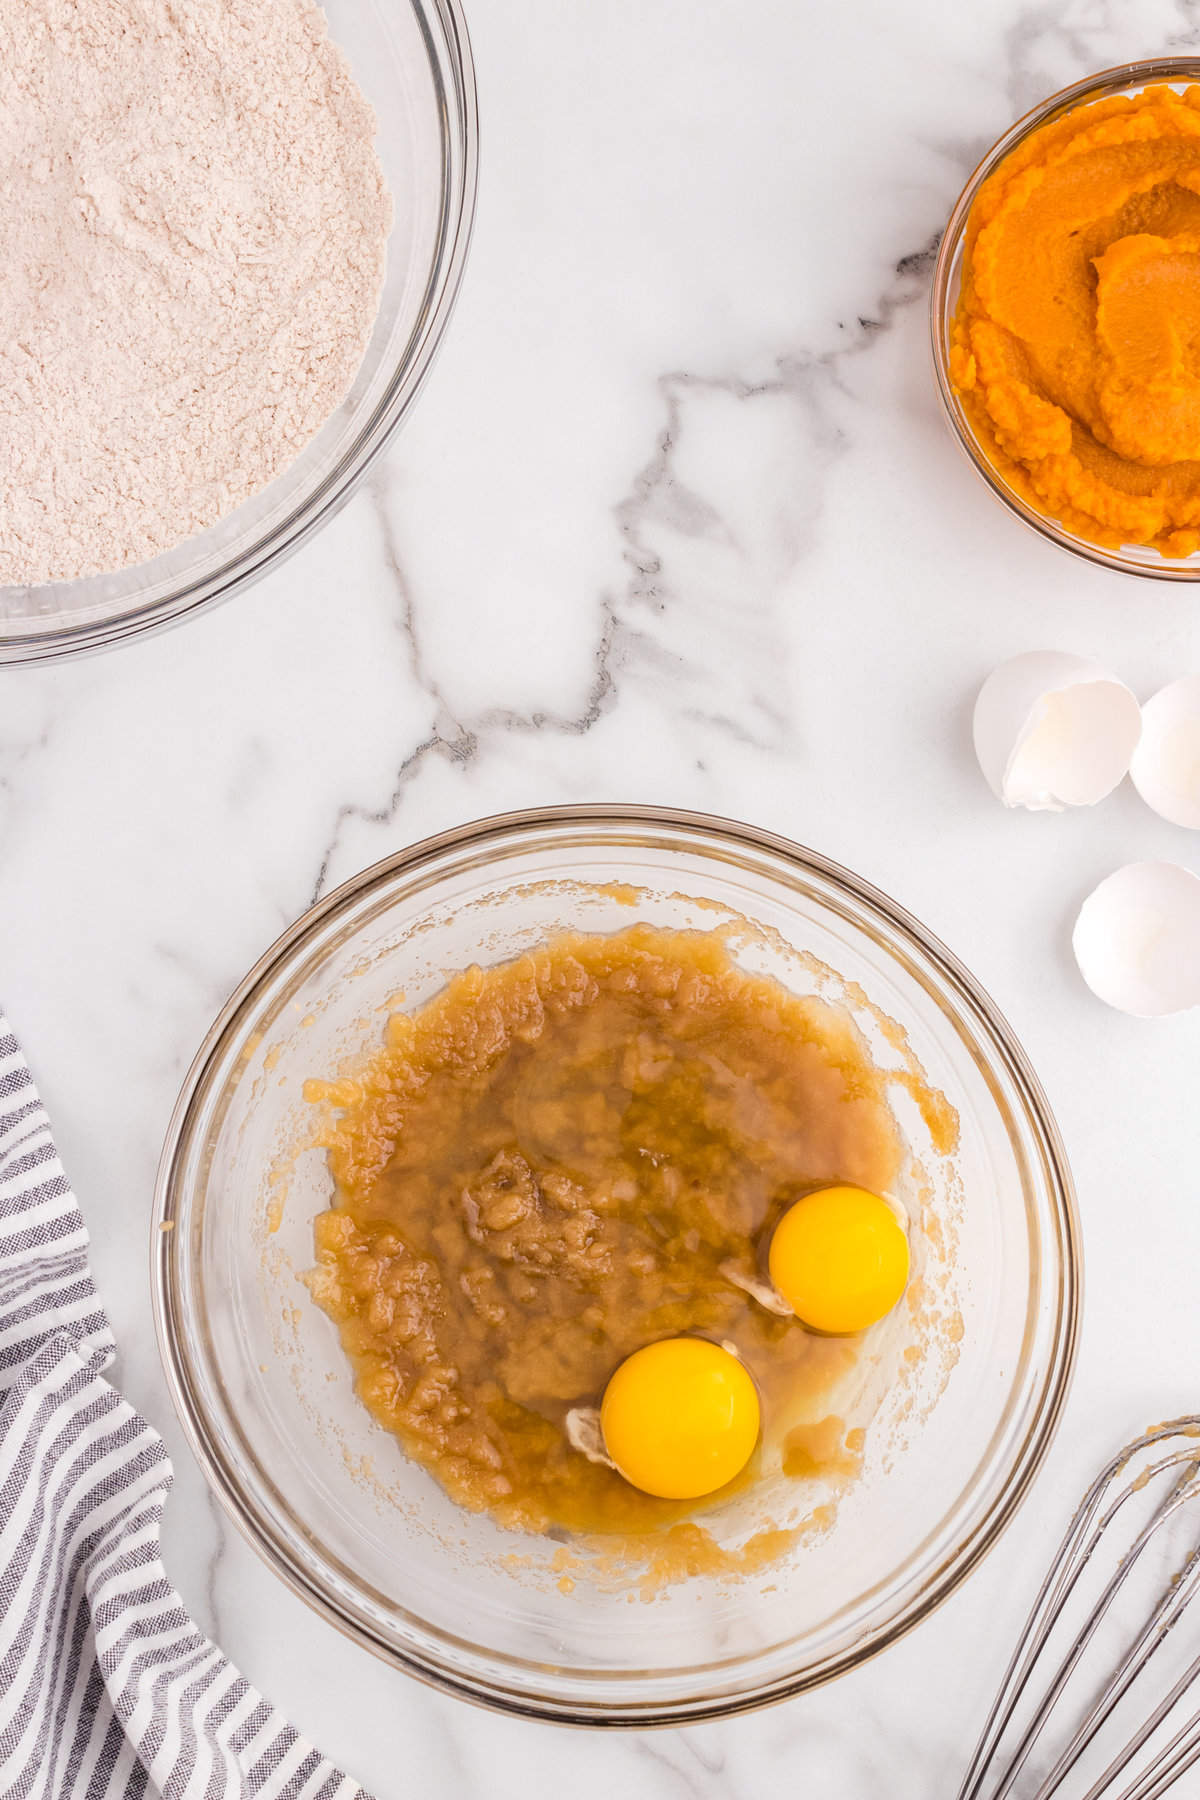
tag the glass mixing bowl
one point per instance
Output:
(1128, 78)
(364, 1534)
(412, 59)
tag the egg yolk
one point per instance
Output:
(680, 1418)
(839, 1258)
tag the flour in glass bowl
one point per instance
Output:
(193, 227)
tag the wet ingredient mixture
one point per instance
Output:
(562, 1159)
(1076, 348)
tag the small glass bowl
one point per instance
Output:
(365, 1535)
(1127, 78)
(412, 59)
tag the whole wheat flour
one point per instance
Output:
(193, 225)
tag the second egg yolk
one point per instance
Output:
(839, 1258)
(680, 1418)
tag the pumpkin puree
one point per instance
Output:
(1076, 345)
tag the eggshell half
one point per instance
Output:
(1053, 731)
(1137, 939)
(1166, 763)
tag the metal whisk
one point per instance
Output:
(1094, 1702)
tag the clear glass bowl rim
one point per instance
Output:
(1103, 83)
(170, 1326)
(460, 183)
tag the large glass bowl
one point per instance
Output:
(365, 1535)
(1127, 78)
(412, 59)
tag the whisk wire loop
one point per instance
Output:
(1128, 1520)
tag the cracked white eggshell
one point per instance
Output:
(1137, 939)
(1166, 764)
(1053, 730)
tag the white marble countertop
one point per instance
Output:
(676, 520)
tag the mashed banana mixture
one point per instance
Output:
(566, 1157)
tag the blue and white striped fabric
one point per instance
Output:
(107, 1688)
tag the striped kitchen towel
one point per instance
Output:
(107, 1688)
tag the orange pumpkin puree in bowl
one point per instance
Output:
(1076, 343)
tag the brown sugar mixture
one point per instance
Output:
(561, 1159)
